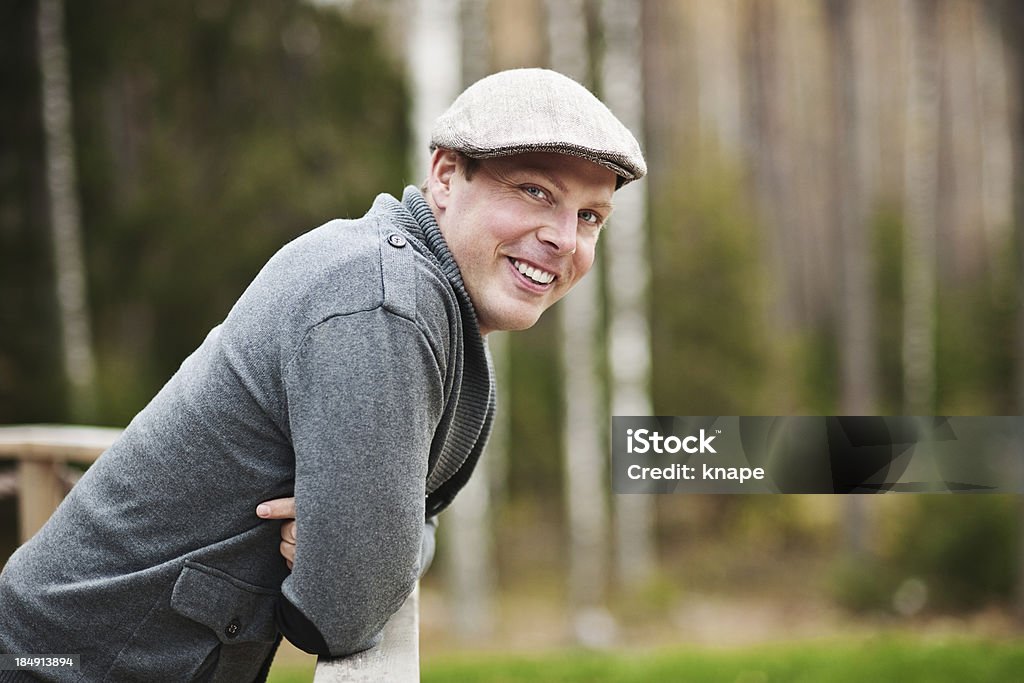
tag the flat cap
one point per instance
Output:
(537, 110)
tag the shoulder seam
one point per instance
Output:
(308, 330)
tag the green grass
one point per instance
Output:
(876, 660)
(900, 659)
(290, 673)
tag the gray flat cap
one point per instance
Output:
(537, 110)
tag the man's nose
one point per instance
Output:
(560, 233)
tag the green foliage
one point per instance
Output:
(711, 350)
(961, 550)
(976, 348)
(879, 659)
(209, 134)
(816, 362)
(535, 396)
(863, 584)
(887, 239)
(975, 333)
(964, 548)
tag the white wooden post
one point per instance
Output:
(396, 659)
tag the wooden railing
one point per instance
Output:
(43, 453)
(396, 658)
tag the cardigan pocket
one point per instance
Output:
(238, 612)
(213, 628)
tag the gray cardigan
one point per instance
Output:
(351, 373)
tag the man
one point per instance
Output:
(353, 375)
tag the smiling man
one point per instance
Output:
(353, 375)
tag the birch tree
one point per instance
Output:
(856, 315)
(717, 57)
(586, 487)
(764, 125)
(959, 172)
(434, 61)
(920, 204)
(858, 364)
(625, 245)
(996, 163)
(65, 221)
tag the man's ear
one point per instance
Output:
(444, 163)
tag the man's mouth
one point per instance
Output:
(534, 274)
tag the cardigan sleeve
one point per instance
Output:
(365, 394)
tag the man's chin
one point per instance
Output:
(510, 321)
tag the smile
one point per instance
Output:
(541, 277)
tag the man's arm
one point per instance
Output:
(284, 509)
(364, 398)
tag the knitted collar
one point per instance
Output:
(472, 421)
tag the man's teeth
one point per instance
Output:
(536, 274)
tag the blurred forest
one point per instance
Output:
(832, 224)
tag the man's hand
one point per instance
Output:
(282, 508)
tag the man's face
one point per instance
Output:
(523, 229)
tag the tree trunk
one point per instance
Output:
(476, 40)
(996, 163)
(670, 112)
(856, 324)
(961, 253)
(920, 207)
(856, 318)
(717, 54)
(434, 62)
(65, 221)
(518, 38)
(625, 243)
(764, 136)
(585, 459)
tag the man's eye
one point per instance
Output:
(534, 191)
(590, 217)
